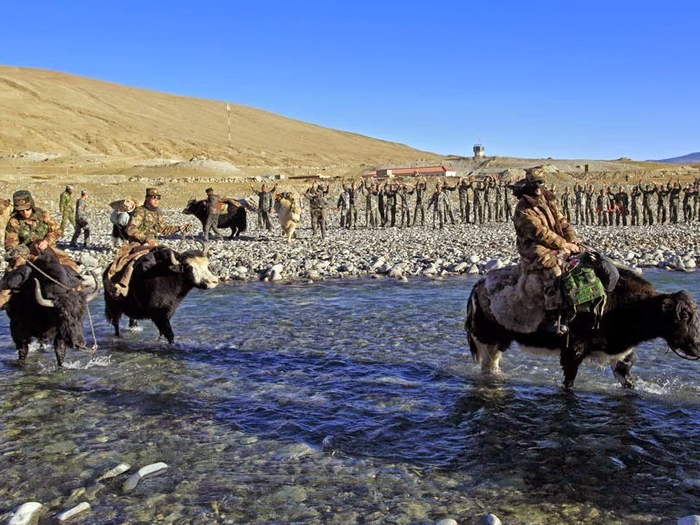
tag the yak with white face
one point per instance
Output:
(156, 292)
(501, 312)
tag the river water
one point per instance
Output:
(344, 402)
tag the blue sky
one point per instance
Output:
(562, 79)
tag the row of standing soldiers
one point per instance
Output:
(646, 204)
(404, 205)
(488, 200)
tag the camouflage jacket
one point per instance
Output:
(65, 203)
(81, 208)
(148, 224)
(39, 226)
(541, 230)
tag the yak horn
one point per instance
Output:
(40, 298)
(202, 244)
(173, 259)
(96, 291)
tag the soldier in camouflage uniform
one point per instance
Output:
(634, 205)
(647, 212)
(318, 202)
(544, 238)
(145, 225)
(464, 204)
(437, 203)
(81, 220)
(65, 206)
(420, 188)
(29, 232)
(265, 198)
(34, 228)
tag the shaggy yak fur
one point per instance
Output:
(155, 293)
(506, 307)
(289, 213)
(30, 320)
(234, 218)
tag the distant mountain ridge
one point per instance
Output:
(690, 158)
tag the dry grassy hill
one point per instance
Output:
(51, 112)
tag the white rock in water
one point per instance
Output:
(689, 263)
(491, 519)
(114, 472)
(689, 520)
(396, 270)
(448, 521)
(473, 269)
(26, 514)
(494, 264)
(78, 509)
(460, 267)
(148, 470)
(430, 270)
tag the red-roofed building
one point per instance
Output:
(421, 171)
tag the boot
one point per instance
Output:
(553, 324)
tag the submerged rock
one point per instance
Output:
(78, 509)
(114, 472)
(148, 470)
(26, 514)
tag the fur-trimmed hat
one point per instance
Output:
(22, 200)
(535, 175)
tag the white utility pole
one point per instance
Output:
(228, 112)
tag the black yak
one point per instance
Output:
(156, 292)
(234, 217)
(47, 302)
(635, 313)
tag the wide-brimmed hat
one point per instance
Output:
(123, 205)
(152, 192)
(22, 200)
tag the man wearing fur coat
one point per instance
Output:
(544, 240)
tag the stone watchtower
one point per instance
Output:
(478, 151)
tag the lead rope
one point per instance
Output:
(93, 348)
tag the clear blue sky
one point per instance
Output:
(594, 79)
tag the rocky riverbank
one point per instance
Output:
(395, 252)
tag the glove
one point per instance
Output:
(17, 252)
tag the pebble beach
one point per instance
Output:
(399, 253)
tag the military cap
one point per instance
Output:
(22, 200)
(209, 190)
(535, 175)
(152, 192)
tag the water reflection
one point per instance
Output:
(343, 403)
(613, 451)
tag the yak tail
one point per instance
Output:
(469, 324)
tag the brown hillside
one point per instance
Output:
(51, 112)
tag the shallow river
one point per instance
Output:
(344, 402)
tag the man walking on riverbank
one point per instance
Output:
(65, 206)
(81, 220)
